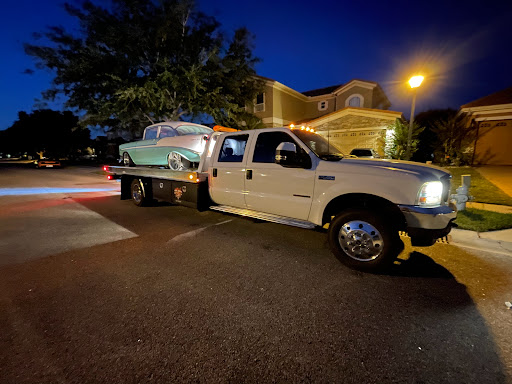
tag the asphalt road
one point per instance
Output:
(178, 295)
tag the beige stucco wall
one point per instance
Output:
(494, 142)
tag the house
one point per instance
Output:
(351, 115)
(492, 117)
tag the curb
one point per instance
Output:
(494, 241)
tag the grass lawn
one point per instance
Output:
(483, 221)
(481, 189)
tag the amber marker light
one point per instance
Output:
(292, 126)
(191, 177)
(416, 81)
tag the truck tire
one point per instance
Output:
(362, 240)
(127, 160)
(137, 192)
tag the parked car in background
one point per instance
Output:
(174, 144)
(48, 163)
(365, 152)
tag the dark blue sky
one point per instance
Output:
(463, 47)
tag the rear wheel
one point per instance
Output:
(363, 240)
(138, 194)
(127, 160)
(177, 162)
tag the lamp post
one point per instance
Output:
(414, 82)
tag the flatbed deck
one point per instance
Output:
(191, 176)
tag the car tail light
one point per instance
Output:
(109, 177)
(105, 168)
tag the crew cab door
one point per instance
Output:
(273, 188)
(226, 173)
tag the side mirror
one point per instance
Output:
(287, 156)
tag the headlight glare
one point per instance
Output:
(431, 193)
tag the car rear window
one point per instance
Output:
(193, 130)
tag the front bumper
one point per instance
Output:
(426, 225)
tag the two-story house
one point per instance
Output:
(492, 117)
(352, 115)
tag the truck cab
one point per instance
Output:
(297, 174)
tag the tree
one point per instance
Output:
(56, 134)
(455, 135)
(396, 145)
(141, 61)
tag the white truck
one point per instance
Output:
(295, 177)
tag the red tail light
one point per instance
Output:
(109, 177)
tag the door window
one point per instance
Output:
(233, 149)
(150, 133)
(266, 145)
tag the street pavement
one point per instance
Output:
(192, 296)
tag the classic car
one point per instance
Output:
(47, 163)
(175, 144)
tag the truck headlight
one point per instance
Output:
(430, 193)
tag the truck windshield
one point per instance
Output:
(319, 145)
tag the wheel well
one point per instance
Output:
(361, 200)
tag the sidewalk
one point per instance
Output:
(493, 241)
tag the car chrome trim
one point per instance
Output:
(263, 216)
(428, 218)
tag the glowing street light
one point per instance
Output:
(414, 82)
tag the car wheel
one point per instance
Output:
(127, 160)
(362, 240)
(138, 194)
(176, 162)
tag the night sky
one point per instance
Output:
(464, 48)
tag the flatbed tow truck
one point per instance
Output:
(293, 177)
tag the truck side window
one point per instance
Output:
(266, 145)
(233, 149)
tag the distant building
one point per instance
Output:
(492, 116)
(352, 115)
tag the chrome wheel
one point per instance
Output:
(360, 240)
(137, 194)
(175, 162)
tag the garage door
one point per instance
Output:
(347, 141)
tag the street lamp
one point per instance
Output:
(414, 82)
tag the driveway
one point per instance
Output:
(499, 175)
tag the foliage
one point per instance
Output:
(139, 61)
(455, 135)
(483, 221)
(396, 145)
(428, 139)
(54, 133)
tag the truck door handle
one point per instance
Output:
(214, 172)
(248, 174)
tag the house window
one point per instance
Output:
(322, 105)
(260, 102)
(354, 102)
